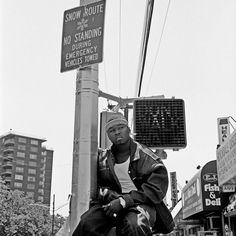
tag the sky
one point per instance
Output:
(192, 57)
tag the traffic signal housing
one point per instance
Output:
(160, 123)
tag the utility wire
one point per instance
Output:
(105, 75)
(61, 206)
(146, 32)
(119, 47)
(232, 119)
(159, 44)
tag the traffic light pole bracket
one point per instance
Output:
(122, 102)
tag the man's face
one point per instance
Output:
(118, 134)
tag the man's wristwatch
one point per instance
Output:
(122, 202)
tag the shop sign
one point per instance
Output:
(223, 129)
(202, 193)
(226, 161)
(228, 188)
(174, 191)
(207, 233)
(211, 191)
(192, 197)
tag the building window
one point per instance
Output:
(33, 149)
(32, 171)
(31, 178)
(34, 142)
(40, 191)
(44, 153)
(40, 198)
(19, 169)
(32, 163)
(30, 194)
(30, 186)
(21, 147)
(20, 162)
(21, 140)
(33, 156)
(19, 177)
(18, 185)
(20, 154)
(8, 141)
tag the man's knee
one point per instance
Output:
(135, 222)
(129, 223)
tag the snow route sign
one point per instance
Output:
(82, 37)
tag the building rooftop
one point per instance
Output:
(24, 135)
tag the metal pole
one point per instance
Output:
(85, 140)
(223, 223)
(53, 213)
(85, 143)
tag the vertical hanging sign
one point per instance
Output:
(174, 191)
(82, 37)
(223, 129)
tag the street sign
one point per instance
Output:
(223, 129)
(174, 191)
(82, 37)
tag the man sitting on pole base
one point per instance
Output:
(132, 183)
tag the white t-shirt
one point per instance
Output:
(121, 171)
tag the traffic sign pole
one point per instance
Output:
(85, 140)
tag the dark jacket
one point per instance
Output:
(150, 177)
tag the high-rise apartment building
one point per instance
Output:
(26, 165)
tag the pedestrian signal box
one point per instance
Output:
(160, 123)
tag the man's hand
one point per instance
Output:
(113, 208)
(106, 195)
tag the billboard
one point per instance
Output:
(226, 160)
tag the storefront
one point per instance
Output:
(185, 227)
(202, 201)
(226, 169)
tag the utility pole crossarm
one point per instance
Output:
(122, 102)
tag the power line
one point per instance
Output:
(159, 44)
(119, 46)
(105, 75)
(146, 32)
